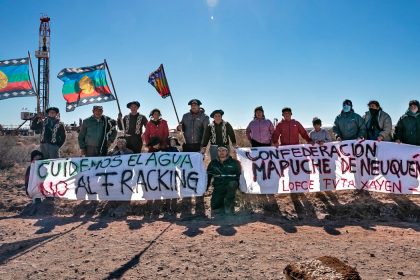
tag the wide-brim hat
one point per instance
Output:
(55, 109)
(196, 101)
(133, 102)
(220, 111)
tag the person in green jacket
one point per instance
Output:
(225, 172)
(348, 125)
(217, 133)
(97, 134)
(408, 127)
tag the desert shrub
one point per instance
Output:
(16, 150)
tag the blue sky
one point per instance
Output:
(234, 54)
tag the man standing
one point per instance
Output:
(193, 124)
(53, 133)
(408, 127)
(348, 125)
(97, 134)
(133, 125)
(289, 130)
(378, 123)
(225, 172)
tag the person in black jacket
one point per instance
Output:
(52, 132)
(408, 127)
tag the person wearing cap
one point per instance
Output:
(319, 135)
(260, 129)
(121, 148)
(378, 123)
(53, 134)
(288, 130)
(133, 124)
(173, 144)
(407, 129)
(97, 133)
(193, 125)
(218, 132)
(156, 128)
(348, 125)
(225, 172)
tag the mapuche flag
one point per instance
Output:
(85, 85)
(14, 78)
(158, 80)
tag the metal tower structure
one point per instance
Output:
(43, 55)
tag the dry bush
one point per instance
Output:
(16, 150)
(71, 146)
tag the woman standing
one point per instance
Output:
(259, 130)
(156, 128)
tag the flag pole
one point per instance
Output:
(33, 77)
(115, 92)
(170, 95)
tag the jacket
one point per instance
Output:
(408, 128)
(193, 126)
(260, 130)
(133, 124)
(349, 126)
(97, 132)
(219, 134)
(223, 172)
(289, 133)
(52, 130)
(385, 125)
(320, 136)
(159, 130)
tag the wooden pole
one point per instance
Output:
(36, 89)
(170, 94)
(115, 92)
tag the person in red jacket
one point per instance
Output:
(156, 128)
(288, 130)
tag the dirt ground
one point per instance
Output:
(180, 239)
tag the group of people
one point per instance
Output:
(98, 133)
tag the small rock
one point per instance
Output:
(241, 241)
(400, 273)
(372, 255)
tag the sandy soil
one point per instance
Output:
(376, 233)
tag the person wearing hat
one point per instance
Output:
(348, 125)
(407, 129)
(121, 148)
(53, 134)
(319, 135)
(288, 130)
(97, 133)
(378, 123)
(133, 124)
(260, 129)
(218, 132)
(193, 125)
(225, 172)
(156, 128)
(173, 144)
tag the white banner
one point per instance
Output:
(145, 176)
(369, 165)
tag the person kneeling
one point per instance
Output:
(225, 172)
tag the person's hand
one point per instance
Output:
(179, 127)
(398, 141)
(338, 138)
(320, 143)
(82, 153)
(380, 138)
(276, 145)
(203, 150)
